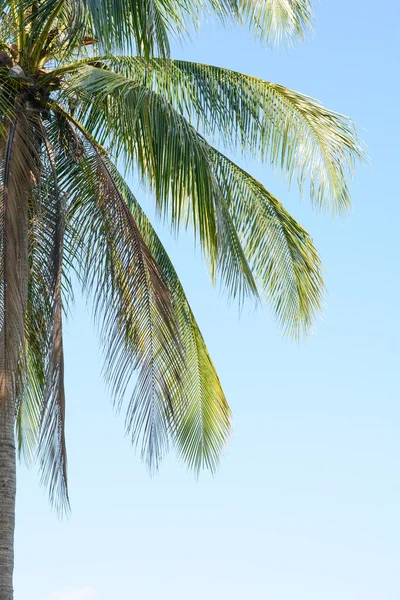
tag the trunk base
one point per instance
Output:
(7, 501)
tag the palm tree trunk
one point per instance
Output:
(15, 186)
(7, 495)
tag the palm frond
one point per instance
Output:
(41, 404)
(153, 135)
(18, 169)
(55, 29)
(204, 417)
(174, 159)
(192, 410)
(37, 324)
(27, 421)
(141, 25)
(276, 253)
(51, 446)
(294, 132)
(277, 21)
(192, 404)
(131, 302)
(280, 252)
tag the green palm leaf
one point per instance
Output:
(131, 303)
(293, 132)
(204, 419)
(285, 264)
(280, 252)
(277, 21)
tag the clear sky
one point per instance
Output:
(305, 505)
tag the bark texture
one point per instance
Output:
(7, 499)
(14, 192)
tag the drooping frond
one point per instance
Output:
(200, 411)
(276, 254)
(52, 447)
(40, 423)
(18, 170)
(27, 421)
(192, 411)
(37, 325)
(153, 135)
(138, 332)
(293, 132)
(203, 421)
(175, 161)
(131, 302)
(280, 252)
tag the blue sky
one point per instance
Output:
(306, 502)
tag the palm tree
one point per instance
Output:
(82, 84)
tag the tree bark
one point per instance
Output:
(14, 187)
(7, 496)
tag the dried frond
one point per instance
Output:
(18, 170)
